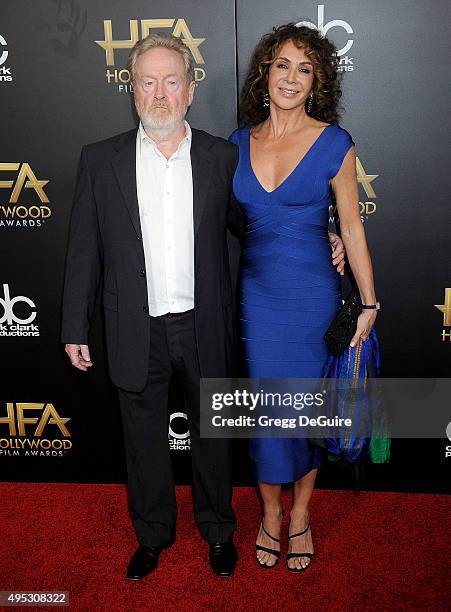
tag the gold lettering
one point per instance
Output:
(51, 417)
(32, 183)
(199, 74)
(8, 168)
(109, 45)
(149, 24)
(182, 31)
(124, 76)
(23, 420)
(10, 419)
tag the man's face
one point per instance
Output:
(162, 92)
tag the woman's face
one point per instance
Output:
(290, 77)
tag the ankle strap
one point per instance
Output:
(269, 535)
(295, 535)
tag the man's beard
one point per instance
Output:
(154, 121)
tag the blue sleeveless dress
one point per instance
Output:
(289, 288)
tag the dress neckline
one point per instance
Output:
(306, 154)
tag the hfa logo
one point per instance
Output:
(5, 73)
(17, 321)
(15, 212)
(177, 27)
(367, 205)
(346, 62)
(26, 424)
(446, 309)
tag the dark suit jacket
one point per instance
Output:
(105, 240)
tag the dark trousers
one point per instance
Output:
(145, 419)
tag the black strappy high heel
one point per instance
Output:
(301, 554)
(271, 551)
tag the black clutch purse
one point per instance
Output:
(343, 327)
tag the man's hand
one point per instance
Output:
(79, 356)
(338, 252)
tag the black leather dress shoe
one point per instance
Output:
(144, 561)
(223, 558)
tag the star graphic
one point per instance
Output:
(446, 308)
(193, 44)
(365, 179)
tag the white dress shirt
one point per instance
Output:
(165, 199)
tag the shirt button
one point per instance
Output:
(142, 272)
(167, 165)
(169, 248)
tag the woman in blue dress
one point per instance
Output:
(292, 156)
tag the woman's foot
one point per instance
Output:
(270, 526)
(301, 543)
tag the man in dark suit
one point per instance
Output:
(151, 211)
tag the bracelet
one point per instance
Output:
(376, 306)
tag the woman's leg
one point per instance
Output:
(299, 516)
(272, 519)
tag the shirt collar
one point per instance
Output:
(143, 137)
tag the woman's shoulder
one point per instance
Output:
(340, 134)
(238, 134)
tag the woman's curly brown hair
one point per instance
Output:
(326, 83)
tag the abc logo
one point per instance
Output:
(448, 430)
(324, 28)
(8, 307)
(179, 421)
(4, 55)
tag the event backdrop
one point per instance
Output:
(63, 83)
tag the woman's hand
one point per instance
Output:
(365, 323)
(338, 252)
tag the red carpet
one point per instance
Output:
(373, 551)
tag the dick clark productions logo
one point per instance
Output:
(18, 315)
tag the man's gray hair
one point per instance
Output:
(168, 41)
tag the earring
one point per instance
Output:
(310, 102)
(265, 99)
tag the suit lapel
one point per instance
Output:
(124, 166)
(201, 164)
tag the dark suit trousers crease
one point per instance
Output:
(145, 419)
